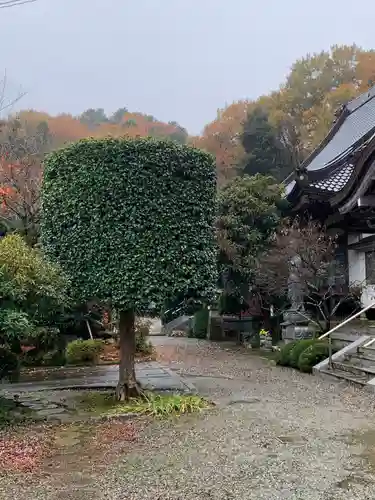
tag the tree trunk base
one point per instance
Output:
(125, 391)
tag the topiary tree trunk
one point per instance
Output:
(127, 386)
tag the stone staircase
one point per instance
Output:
(179, 323)
(352, 361)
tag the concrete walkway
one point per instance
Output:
(53, 397)
(151, 376)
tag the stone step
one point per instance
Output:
(359, 359)
(346, 336)
(179, 323)
(344, 375)
(356, 370)
(366, 352)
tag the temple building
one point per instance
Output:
(336, 185)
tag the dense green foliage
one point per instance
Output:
(9, 364)
(303, 354)
(265, 151)
(44, 357)
(283, 356)
(200, 324)
(32, 292)
(83, 351)
(297, 350)
(143, 345)
(248, 214)
(313, 355)
(131, 220)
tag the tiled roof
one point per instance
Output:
(359, 123)
(336, 181)
(355, 131)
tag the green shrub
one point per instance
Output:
(32, 293)
(142, 327)
(54, 358)
(297, 350)
(9, 364)
(313, 355)
(83, 351)
(143, 345)
(142, 331)
(200, 324)
(34, 357)
(283, 357)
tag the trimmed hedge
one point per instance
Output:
(132, 220)
(200, 324)
(297, 350)
(83, 351)
(303, 354)
(283, 357)
(313, 355)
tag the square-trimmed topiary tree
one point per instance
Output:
(132, 222)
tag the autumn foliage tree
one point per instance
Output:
(134, 233)
(300, 112)
(222, 138)
(22, 149)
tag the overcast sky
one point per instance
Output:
(175, 59)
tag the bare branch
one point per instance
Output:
(13, 3)
(21, 155)
(3, 86)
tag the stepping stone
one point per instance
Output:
(47, 412)
(34, 406)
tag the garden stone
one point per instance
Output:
(33, 406)
(47, 412)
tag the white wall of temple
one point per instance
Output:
(357, 270)
(356, 263)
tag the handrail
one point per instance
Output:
(347, 320)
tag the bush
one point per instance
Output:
(313, 355)
(297, 350)
(54, 358)
(9, 364)
(34, 357)
(83, 351)
(200, 324)
(143, 345)
(30, 281)
(142, 331)
(142, 327)
(283, 357)
(32, 292)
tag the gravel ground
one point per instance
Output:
(275, 434)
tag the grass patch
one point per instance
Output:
(156, 405)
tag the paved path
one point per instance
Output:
(50, 398)
(151, 375)
(276, 434)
